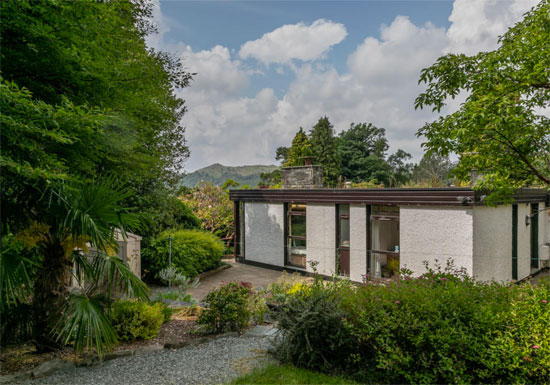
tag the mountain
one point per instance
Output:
(217, 174)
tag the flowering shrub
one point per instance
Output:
(442, 327)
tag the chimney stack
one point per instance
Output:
(303, 177)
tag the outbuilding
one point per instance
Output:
(377, 232)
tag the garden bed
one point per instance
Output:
(22, 357)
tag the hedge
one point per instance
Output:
(193, 251)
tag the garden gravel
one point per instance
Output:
(214, 362)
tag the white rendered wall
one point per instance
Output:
(430, 233)
(358, 242)
(264, 233)
(493, 243)
(321, 237)
(544, 232)
(524, 242)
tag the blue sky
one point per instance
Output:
(266, 68)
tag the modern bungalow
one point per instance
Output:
(376, 232)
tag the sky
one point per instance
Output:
(265, 68)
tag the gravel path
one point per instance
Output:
(214, 362)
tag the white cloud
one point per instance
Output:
(295, 42)
(476, 24)
(378, 86)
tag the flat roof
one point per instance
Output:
(447, 196)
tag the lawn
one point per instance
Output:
(286, 375)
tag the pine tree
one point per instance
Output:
(325, 150)
(299, 149)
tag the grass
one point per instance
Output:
(287, 375)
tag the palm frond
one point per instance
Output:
(94, 210)
(15, 282)
(84, 321)
(119, 276)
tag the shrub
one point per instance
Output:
(137, 320)
(166, 311)
(193, 251)
(313, 332)
(442, 327)
(227, 309)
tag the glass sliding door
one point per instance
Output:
(296, 235)
(384, 241)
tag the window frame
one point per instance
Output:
(288, 230)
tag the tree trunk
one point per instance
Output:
(50, 293)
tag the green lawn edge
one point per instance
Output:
(287, 375)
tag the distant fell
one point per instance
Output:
(217, 174)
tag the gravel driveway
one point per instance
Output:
(214, 362)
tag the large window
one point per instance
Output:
(296, 234)
(343, 239)
(384, 241)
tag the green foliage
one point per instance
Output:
(281, 154)
(193, 251)
(325, 150)
(301, 147)
(167, 311)
(362, 149)
(137, 320)
(520, 352)
(442, 327)
(433, 170)
(501, 129)
(211, 204)
(83, 321)
(78, 214)
(227, 309)
(401, 171)
(313, 331)
(175, 295)
(271, 179)
(82, 95)
(287, 375)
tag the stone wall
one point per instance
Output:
(303, 177)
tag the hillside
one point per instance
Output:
(217, 174)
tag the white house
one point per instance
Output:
(353, 232)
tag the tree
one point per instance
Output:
(99, 98)
(75, 216)
(401, 172)
(325, 150)
(433, 170)
(362, 150)
(300, 148)
(271, 179)
(501, 129)
(281, 154)
(211, 204)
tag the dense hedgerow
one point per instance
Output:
(193, 251)
(442, 327)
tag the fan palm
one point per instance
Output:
(77, 241)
